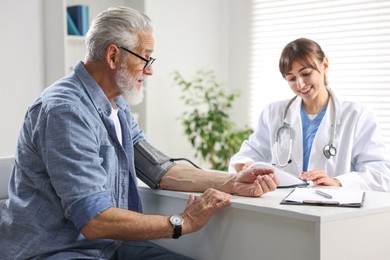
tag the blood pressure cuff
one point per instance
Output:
(150, 164)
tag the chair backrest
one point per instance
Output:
(6, 164)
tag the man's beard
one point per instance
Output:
(128, 86)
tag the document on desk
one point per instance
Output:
(287, 180)
(325, 197)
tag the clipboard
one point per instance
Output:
(287, 180)
(338, 197)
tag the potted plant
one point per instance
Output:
(206, 122)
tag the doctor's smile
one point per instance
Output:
(304, 91)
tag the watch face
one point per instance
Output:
(176, 220)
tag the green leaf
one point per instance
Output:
(206, 119)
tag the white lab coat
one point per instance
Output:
(362, 160)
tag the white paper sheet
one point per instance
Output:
(342, 196)
(286, 179)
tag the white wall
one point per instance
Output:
(239, 57)
(21, 67)
(190, 35)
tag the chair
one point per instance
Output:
(6, 164)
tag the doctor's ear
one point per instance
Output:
(325, 64)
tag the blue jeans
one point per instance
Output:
(145, 250)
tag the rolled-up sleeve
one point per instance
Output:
(84, 210)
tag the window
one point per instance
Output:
(355, 36)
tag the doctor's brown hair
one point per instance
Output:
(304, 51)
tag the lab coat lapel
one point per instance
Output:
(324, 135)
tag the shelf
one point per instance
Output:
(76, 38)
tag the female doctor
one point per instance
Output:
(315, 135)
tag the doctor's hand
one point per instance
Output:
(243, 166)
(319, 177)
(254, 182)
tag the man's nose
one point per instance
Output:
(149, 70)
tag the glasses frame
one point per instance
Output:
(148, 62)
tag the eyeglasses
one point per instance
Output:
(148, 62)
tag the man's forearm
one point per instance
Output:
(122, 224)
(183, 177)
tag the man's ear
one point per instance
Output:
(112, 56)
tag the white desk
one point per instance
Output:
(261, 228)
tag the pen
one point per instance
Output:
(323, 194)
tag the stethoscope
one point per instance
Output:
(329, 150)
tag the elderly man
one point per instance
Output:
(73, 191)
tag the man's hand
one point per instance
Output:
(255, 182)
(201, 208)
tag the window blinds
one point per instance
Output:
(354, 34)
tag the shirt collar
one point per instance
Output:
(95, 92)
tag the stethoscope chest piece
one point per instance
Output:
(330, 151)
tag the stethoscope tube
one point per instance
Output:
(289, 129)
(329, 150)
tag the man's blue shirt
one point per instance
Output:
(69, 167)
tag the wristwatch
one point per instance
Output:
(177, 223)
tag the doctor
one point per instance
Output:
(315, 135)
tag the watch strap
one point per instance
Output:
(176, 232)
(177, 223)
